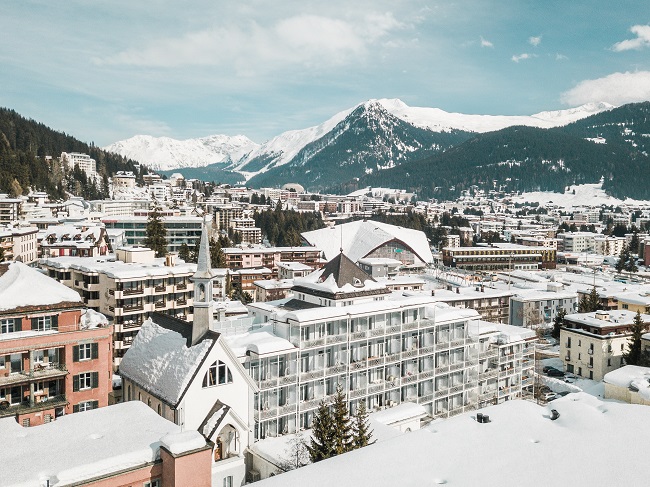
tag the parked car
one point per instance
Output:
(549, 396)
(553, 372)
(546, 368)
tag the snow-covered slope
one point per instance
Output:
(439, 120)
(164, 153)
(249, 158)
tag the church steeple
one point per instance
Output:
(203, 297)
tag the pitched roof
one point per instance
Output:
(345, 272)
(160, 361)
(360, 238)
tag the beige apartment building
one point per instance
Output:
(592, 344)
(129, 289)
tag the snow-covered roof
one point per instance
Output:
(359, 238)
(460, 451)
(160, 361)
(402, 412)
(261, 341)
(632, 376)
(18, 283)
(117, 269)
(611, 318)
(79, 447)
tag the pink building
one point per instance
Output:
(55, 357)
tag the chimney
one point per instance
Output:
(170, 259)
(458, 290)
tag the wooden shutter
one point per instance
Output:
(94, 350)
(75, 383)
(18, 324)
(95, 404)
(34, 323)
(94, 379)
(75, 353)
(75, 408)
(55, 322)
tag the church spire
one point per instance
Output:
(203, 264)
(202, 279)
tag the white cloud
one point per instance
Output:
(561, 57)
(520, 57)
(535, 41)
(616, 88)
(486, 43)
(642, 39)
(311, 40)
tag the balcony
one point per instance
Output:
(25, 407)
(40, 372)
(329, 339)
(130, 292)
(181, 286)
(160, 289)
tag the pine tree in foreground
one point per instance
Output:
(322, 440)
(342, 426)
(633, 354)
(362, 431)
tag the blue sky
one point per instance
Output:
(106, 70)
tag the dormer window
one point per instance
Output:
(357, 282)
(217, 374)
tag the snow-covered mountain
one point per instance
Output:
(439, 120)
(165, 153)
(245, 156)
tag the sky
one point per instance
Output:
(104, 71)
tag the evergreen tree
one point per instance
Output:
(593, 300)
(184, 252)
(343, 429)
(323, 432)
(156, 233)
(623, 258)
(634, 243)
(362, 431)
(634, 355)
(217, 258)
(558, 322)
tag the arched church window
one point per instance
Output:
(217, 374)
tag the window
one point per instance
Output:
(85, 406)
(26, 423)
(217, 374)
(85, 351)
(227, 481)
(152, 483)
(45, 323)
(8, 325)
(85, 380)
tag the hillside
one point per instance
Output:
(611, 145)
(368, 140)
(24, 144)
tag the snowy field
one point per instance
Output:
(585, 195)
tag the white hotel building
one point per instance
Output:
(343, 327)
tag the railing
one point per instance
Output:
(442, 369)
(181, 302)
(160, 304)
(335, 370)
(427, 350)
(375, 361)
(361, 391)
(359, 335)
(441, 393)
(410, 353)
(393, 357)
(393, 329)
(318, 342)
(409, 378)
(307, 376)
(489, 373)
(425, 398)
(287, 408)
(359, 364)
(133, 307)
(128, 292)
(181, 286)
(426, 374)
(288, 379)
(375, 332)
(456, 366)
(457, 343)
(268, 383)
(336, 338)
(410, 326)
(375, 388)
(27, 407)
(160, 289)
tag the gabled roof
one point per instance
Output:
(160, 361)
(345, 272)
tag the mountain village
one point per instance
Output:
(166, 338)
